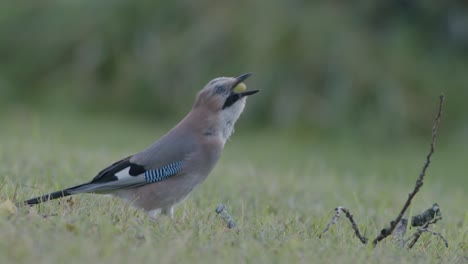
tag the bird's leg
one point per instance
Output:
(169, 211)
(153, 215)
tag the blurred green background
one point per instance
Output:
(373, 68)
(349, 93)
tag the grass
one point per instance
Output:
(281, 189)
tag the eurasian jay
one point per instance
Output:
(166, 172)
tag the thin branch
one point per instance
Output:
(424, 220)
(222, 211)
(335, 218)
(333, 221)
(423, 229)
(427, 216)
(419, 183)
(430, 216)
(355, 227)
(439, 235)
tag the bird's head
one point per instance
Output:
(224, 97)
(224, 94)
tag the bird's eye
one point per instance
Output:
(220, 89)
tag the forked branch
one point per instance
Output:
(419, 183)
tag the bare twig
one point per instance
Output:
(335, 218)
(427, 216)
(355, 227)
(423, 229)
(333, 221)
(430, 216)
(439, 235)
(419, 183)
(222, 211)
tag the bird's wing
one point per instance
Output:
(125, 174)
(163, 159)
(109, 174)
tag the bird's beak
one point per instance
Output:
(238, 90)
(239, 87)
(243, 77)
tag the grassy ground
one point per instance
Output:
(280, 187)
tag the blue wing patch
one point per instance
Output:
(157, 175)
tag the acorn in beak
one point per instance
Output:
(239, 90)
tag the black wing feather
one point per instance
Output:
(108, 174)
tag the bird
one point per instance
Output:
(165, 173)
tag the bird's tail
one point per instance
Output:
(53, 195)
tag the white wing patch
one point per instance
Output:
(125, 173)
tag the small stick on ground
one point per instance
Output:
(355, 227)
(432, 214)
(439, 235)
(399, 225)
(335, 218)
(419, 183)
(221, 210)
(333, 221)
(423, 229)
